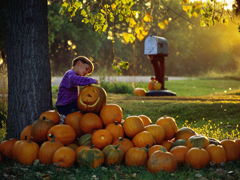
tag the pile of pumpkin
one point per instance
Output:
(153, 84)
(99, 136)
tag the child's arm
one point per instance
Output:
(76, 80)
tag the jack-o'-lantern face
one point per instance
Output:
(91, 99)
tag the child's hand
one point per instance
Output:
(97, 82)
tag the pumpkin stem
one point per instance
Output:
(120, 138)
(50, 135)
(30, 140)
(25, 138)
(116, 123)
(147, 146)
(92, 146)
(163, 149)
(44, 117)
(117, 145)
(53, 139)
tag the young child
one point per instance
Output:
(68, 91)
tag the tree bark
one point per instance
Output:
(29, 74)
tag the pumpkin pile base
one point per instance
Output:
(160, 93)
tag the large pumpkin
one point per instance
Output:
(40, 129)
(125, 144)
(73, 120)
(16, 145)
(197, 141)
(217, 153)
(139, 92)
(185, 133)
(90, 122)
(113, 154)
(156, 131)
(169, 125)
(136, 156)
(51, 115)
(179, 152)
(102, 138)
(115, 129)
(111, 113)
(232, 149)
(63, 133)
(64, 157)
(6, 147)
(92, 98)
(146, 120)
(155, 148)
(132, 125)
(142, 139)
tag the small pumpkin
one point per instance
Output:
(232, 149)
(26, 131)
(197, 157)
(155, 148)
(161, 160)
(40, 129)
(179, 152)
(27, 152)
(156, 131)
(101, 138)
(167, 144)
(217, 153)
(179, 142)
(136, 156)
(125, 144)
(169, 125)
(157, 86)
(185, 133)
(151, 83)
(85, 140)
(90, 122)
(47, 150)
(16, 145)
(63, 133)
(132, 125)
(113, 154)
(115, 129)
(90, 157)
(91, 99)
(139, 92)
(111, 113)
(73, 120)
(146, 120)
(64, 157)
(197, 141)
(6, 147)
(51, 115)
(142, 139)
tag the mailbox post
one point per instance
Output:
(156, 48)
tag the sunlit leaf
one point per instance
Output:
(186, 8)
(127, 36)
(132, 22)
(147, 18)
(165, 22)
(106, 6)
(83, 12)
(65, 4)
(77, 4)
(113, 6)
(195, 14)
(161, 25)
(111, 17)
(140, 37)
(185, 1)
(102, 11)
(132, 39)
(104, 27)
(85, 20)
(120, 17)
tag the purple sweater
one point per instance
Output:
(68, 92)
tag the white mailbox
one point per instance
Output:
(155, 45)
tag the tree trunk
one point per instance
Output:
(29, 74)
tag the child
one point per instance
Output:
(68, 91)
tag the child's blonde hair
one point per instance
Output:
(85, 60)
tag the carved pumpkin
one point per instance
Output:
(111, 113)
(6, 147)
(161, 160)
(151, 83)
(156, 131)
(169, 125)
(217, 153)
(85, 140)
(132, 125)
(90, 122)
(142, 139)
(113, 154)
(73, 120)
(63, 133)
(27, 152)
(51, 115)
(125, 144)
(64, 157)
(197, 141)
(40, 129)
(26, 131)
(115, 129)
(146, 120)
(139, 92)
(179, 152)
(136, 156)
(197, 157)
(47, 150)
(185, 133)
(232, 149)
(101, 138)
(92, 98)
(90, 157)
(155, 148)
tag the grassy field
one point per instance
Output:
(209, 106)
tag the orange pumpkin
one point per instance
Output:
(111, 113)
(216, 153)
(16, 145)
(27, 152)
(6, 147)
(146, 120)
(101, 138)
(151, 83)
(40, 129)
(136, 156)
(51, 115)
(156, 131)
(179, 152)
(185, 133)
(63, 133)
(73, 120)
(115, 129)
(92, 98)
(167, 144)
(47, 150)
(72, 146)
(161, 160)
(113, 154)
(142, 139)
(139, 92)
(90, 122)
(197, 141)
(132, 125)
(64, 157)
(125, 144)
(169, 125)
(155, 148)
(232, 149)
(26, 131)
(197, 157)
